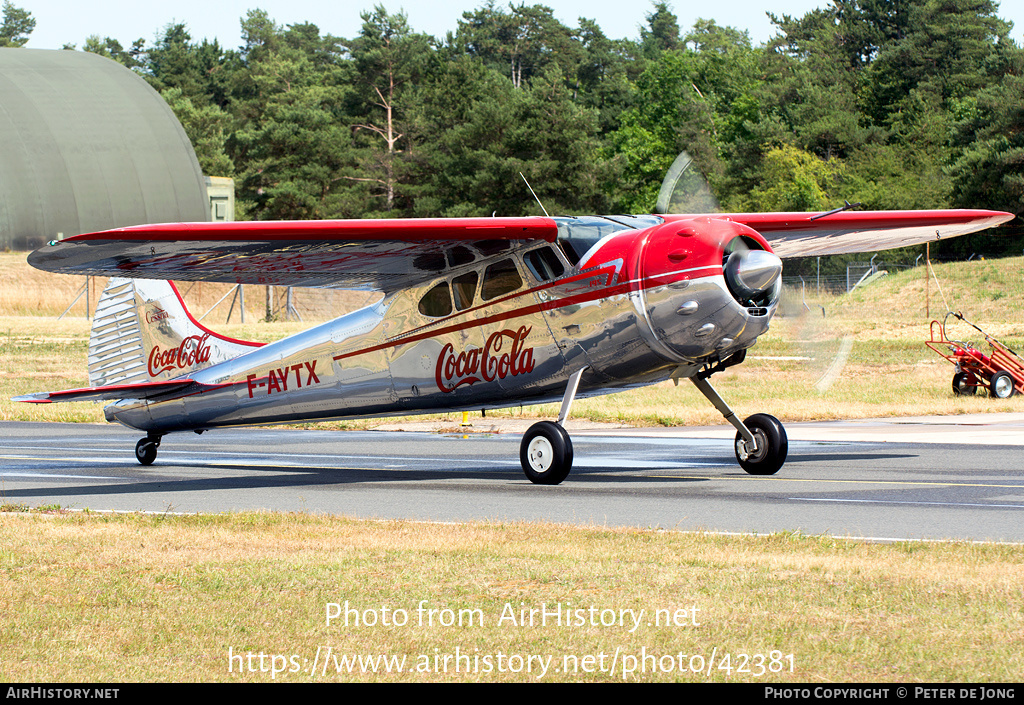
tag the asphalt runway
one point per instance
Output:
(929, 478)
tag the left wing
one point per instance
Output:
(812, 234)
(384, 255)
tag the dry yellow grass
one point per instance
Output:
(26, 291)
(131, 597)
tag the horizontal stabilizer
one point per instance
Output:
(141, 390)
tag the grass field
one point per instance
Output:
(166, 598)
(87, 596)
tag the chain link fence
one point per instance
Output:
(224, 303)
(806, 292)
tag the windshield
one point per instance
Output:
(576, 235)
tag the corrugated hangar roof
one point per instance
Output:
(87, 145)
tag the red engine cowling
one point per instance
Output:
(708, 287)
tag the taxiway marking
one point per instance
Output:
(902, 483)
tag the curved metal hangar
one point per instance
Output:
(87, 145)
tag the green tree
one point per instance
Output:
(815, 65)
(906, 167)
(520, 43)
(203, 71)
(482, 133)
(949, 48)
(700, 99)
(18, 24)
(795, 180)
(133, 58)
(388, 59)
(291, 145)
(988, 170)
(260, 35)
(602, 74)
(207, 128)
(661, 33)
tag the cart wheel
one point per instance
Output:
(963, 384)
(1001, 385)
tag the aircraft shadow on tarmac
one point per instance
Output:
(267, 477)
(154, 480)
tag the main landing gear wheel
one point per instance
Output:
(772, 446)
(546, 453)
(1001, 385)
(145, 450)
(964, 384)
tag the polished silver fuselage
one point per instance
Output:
(603, 314)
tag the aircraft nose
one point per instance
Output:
(751, 274)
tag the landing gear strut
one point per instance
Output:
(145, 449)
(761, 442)
(546, 450)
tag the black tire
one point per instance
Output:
(772, 446)
(145, 450)
(964, 384)
(546, 453)
(1001, 386)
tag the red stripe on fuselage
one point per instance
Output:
(623, 287)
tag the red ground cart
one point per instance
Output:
(1001, 371)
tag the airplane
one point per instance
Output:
(477, 313)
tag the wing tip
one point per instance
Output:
(36, 398)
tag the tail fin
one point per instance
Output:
(142, 332)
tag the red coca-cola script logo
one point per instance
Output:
(192, 351)
(488, 363)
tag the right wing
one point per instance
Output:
(813, 234)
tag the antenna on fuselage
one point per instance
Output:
(534, 195)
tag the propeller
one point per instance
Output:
(685, 190)
(751, 274)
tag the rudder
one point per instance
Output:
(142, 332)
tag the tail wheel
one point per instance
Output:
(145, 450)
(772, 446)
(1001, 385)
(546, 453)
(964, 384)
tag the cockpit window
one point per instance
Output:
(436, 302)
(459, 255)
(489, 248)
(499, 279)
(464, 289)
(544, 264)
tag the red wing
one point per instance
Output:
(812, 234)
(382, 255)
(141, 390)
